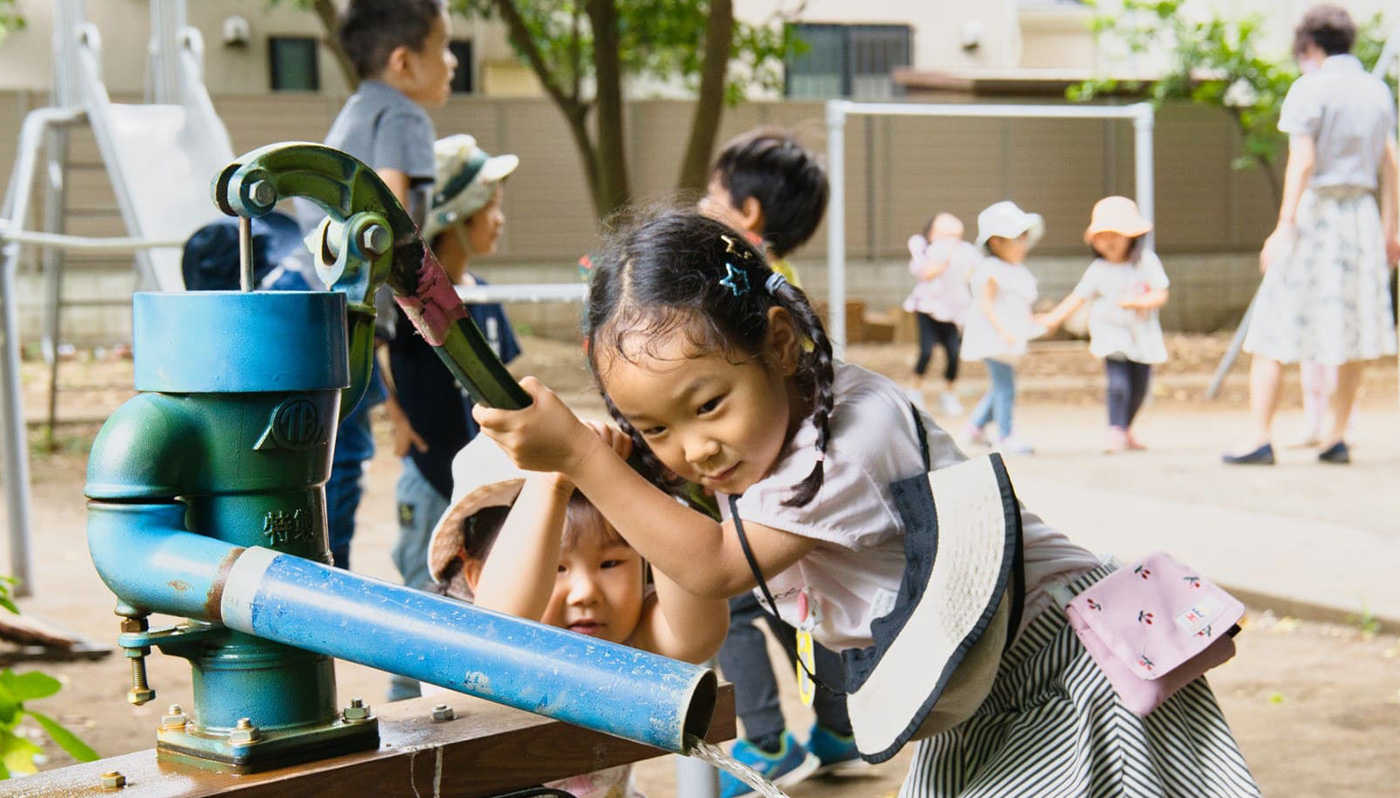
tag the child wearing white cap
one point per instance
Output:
(999, 322)
(1126, 285)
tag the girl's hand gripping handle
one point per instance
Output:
(544, 436)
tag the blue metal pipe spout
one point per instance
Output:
(612, 688)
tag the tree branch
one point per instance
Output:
(520, 36)
(330, 23)
(709, 104)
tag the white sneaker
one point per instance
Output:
(950, 404)
(1013, 444)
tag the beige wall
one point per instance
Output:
(26, 61)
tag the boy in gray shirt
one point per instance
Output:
(399, 49)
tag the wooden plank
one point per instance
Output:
(487, 750)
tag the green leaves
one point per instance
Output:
(63, 738)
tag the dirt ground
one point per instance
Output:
(1315, 706)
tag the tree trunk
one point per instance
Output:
(612, 190)
(330, 21)
(709, 104)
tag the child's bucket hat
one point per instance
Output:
(210, 258)
(1007, 220)
(483, 476)
(1116, 215)
(465, 178)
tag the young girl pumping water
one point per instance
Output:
(1126, 285)
(723, 375)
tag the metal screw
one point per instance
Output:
(262, 192)
(113, 780)
(442, 713)
(174, 718)
(357, 712)
(140, 691)
(245, 732)
(375, 240)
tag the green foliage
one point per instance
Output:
(658, 39)
(16, 752)
(10, 19)
(1213, 61)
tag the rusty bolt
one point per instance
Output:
(375, 240)
(442, 713)
(262, 192)
(174, 718)
(245, 732)
(357, 711)
(113, 780)
(140, 691)
(135, 624)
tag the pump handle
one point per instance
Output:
(368, 240)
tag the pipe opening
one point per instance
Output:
(702, 706)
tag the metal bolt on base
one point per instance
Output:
(357, 712)
(113, 780)
(140, 692)
(245, 732)
(442, 713)
(174, 718)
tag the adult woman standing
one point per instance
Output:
(1325, 295)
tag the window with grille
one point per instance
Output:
(292, 63)
(846, 61)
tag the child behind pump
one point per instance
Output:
(768, 186)
(529, 545)
(1125, 286)
(723, 375)
(999, 321)
(942, 262)
(399, 49)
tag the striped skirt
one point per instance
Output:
(1052, 726)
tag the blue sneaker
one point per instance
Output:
(836, 753)
(790, 765)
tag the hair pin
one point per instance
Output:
(736, 280)
(731, 248)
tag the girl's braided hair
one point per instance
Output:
(680, 272)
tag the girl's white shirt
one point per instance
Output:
(1016, 292)
(947, 296)
(1115, 331)
(854, 572)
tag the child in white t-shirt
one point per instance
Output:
(941, 261)
(724, 376)
(999, 323)
(1126, 286)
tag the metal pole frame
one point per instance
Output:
(1141, 114)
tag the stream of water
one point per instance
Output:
(716, 756)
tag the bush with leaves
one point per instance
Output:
(16, 751)
(1214, 61)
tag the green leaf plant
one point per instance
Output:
(16, 751)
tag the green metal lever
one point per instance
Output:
(366, 241)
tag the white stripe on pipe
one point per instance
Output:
(241, 586)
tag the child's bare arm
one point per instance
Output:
(1151, 300)
(986, 299)
(519, 574)
(1062, 311)
(679, 624)
(397, 181)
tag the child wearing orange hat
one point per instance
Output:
(1125, 286)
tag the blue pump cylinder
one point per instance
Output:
(612, 688)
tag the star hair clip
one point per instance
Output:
(735, 279)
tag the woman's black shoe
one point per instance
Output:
(1336, 453)
(1264, 455)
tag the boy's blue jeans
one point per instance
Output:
(999, 399)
